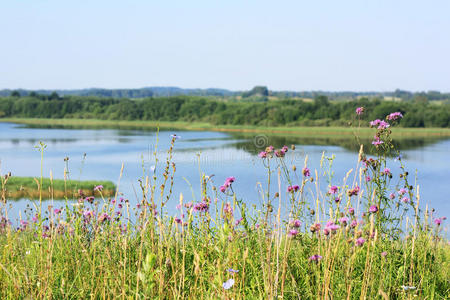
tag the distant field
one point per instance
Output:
(192, 126)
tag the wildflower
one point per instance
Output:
(315, 227)
(351, 210)
(315, 257)
(279, 153)
(178, 220)
(188, 205)
(405, 200)
(337, 199)
(228, 284)
(98, 188)
(270, 149)
(104, 217)
(306, 172)
(24, 224)
(293, 232)
(227, 184)
(57, 211)
(296, 223)
(394, 116)
(438, 221)
(402, 191)
(360, 241)
(384, 254)
(223, 188)
(175, 137)
(228, 210)
(238, 221)
(201, 207)
(284, 149)
(35, 218)
(333, 189)
(368, 178)
(359, 110)
(391, 196)
(331, 226)
(232, 270)
(353, 192)
(377, 141)
(353, 224)
(262, 154)
(293, 188)
(373, 209)
(387, 171)
(343, 220)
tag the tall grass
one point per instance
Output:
(318, 240)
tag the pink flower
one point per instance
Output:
(353, 192)
(402, 191)
(57, 211)
(387, 171)
(359, 110)
(306, 172)
(381, 124)
(368, 178)
(353, 224)
(293, 188)
(351, 210)
(98, 188)
(377, 141)
(333, 189)
(360, 242)
(228, 210)
(292, 232)
(296, 223)
(284, 149)
(373, 209)
(384, 254)
(392, 196)
(315, 257)
(405, 200)
(262, 154)
(201, 207)
(343, 220)
(394, 116)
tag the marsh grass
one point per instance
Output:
(110, 248)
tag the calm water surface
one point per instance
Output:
(212, 153)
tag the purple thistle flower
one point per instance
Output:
(201, 207)
(296, 223)
(315, 257)
(98, 188)
(353, 224)
(351, 210)
(384, 254)
(57, 211)
(360, 242)
(405, 200)
(262, 154)
(394, 116)
(333, 189)
(373, 209)
(344, 220)
(392, 196)
(306, 172)
(293, 188)
(359, 110)
(292, 232)
(232, 270)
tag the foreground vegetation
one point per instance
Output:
(286, 112)
(314, 236)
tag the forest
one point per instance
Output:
(321, 111)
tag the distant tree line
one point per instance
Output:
(287, 112)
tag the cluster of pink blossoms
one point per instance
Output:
(376, 141)
(353, 192)
(394, 116)
(306, 172)
(227, 184)
(380, 123)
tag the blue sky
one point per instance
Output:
(286, 45)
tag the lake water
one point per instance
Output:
(213, 153)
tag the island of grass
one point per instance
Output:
(14, 187)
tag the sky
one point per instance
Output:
(286, 45)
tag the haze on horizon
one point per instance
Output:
(293, 45)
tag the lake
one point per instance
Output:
(98, 154)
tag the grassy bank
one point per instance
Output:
(31, 188)
(194, 126)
